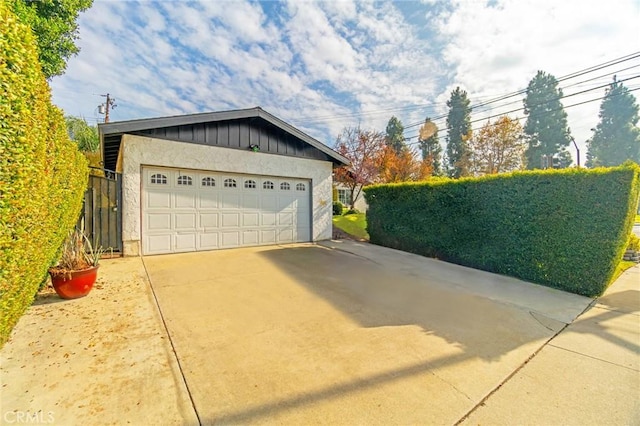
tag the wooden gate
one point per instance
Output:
(101, 218)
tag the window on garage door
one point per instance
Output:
(185, 180)
(208, 181)
(159, 179)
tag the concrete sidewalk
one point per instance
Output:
(589, 374)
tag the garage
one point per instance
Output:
(218, 180)
(189, 210)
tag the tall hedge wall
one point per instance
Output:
(561, 228)
(42, 173)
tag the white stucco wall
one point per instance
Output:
(138, 151)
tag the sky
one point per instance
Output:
(322, 66)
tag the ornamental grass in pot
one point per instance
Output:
(77, 269)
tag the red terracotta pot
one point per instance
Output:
(74, 284)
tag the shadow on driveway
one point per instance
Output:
(308, 334)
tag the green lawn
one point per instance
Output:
(354, 224)
(638, 218)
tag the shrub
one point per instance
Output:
(561, 228)
(337, 208)
(351, 211)
(634, 242)
(42, 173)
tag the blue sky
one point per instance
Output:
(324, 65)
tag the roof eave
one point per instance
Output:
(122, 127)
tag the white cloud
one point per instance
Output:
(325, 65)
(496, 50)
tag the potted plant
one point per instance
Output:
(77, 269)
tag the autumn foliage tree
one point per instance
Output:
(364, 149)
(499, 147)
(403, 166)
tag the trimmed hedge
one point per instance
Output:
(42, 173)
(566, 229)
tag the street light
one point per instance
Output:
(577, 150)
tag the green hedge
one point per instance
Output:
(42, 173)
(566, 229)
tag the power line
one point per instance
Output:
(541, 115)
(540, 104)
(563, 78)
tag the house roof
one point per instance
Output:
(111, 133)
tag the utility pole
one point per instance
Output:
(105, 107)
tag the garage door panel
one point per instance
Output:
(285, 235)
(208, 240)
(251, 201)
(230, 239)
(230, 201)
(268, 236)
(269, 203)
(158, 243)
(185, 221)
(185, 200)
(159, 200)
(303, 234)
(250, 237)
(286, 203)
(208, 200)
(250, 219)
(209, 220)
(303, 221)
(230, 220)
(159, 221)
(185, 242)
(191, 210)
(285, 219)
(268, 219)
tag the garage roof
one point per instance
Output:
(237, 129)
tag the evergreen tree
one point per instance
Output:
(395, 135)
(459, 133)
(430, 145)
(546, 127)
(616, 138)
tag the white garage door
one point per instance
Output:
(187, 210)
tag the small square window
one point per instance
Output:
(230, 183)
(301, 187)
(267, 185)
(284, 186)
(249, 183)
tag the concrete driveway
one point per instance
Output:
(347, 333)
